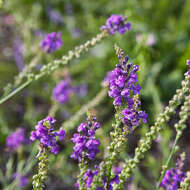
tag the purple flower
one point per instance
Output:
(89, 175)
(46, 135)
(51, 42)
(16, 139)
(124, 89)
(173, 177)
(116, 23)
(62, 91)
(23, 180)
(85, 140)
(108, 77)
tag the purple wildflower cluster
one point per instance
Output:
(124, 89)
(89, 175)
(116, 23)
(173, 177)
(87, 178)
(63, 90)
(16, 139)
(51, 42)
(46, 135)
(85, 140)
(22, 180)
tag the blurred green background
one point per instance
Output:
(158, 42)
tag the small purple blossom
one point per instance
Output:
(85, 140)
(46, 134)
(107, 78)
(51, 42)
(173, 177)
(22, 180)
(16, 139)
(89, 175)
(63, 90)
(125, 89)
(116, 23)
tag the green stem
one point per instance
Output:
(168, 161)
(52, 66)
(15, 91)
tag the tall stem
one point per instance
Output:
(15, 91)
(165, 167)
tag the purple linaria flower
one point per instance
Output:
(46, 134)
(63, 90)
(89, 175)
(124, 89)
(85, 140)
(173, 177)
(16, 139)
(51, 42)
(22, 180)
(116, 23)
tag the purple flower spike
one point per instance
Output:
(51, 42)
(173, 177)
(16, 139)
(46, 134)
(125, 89)
(85, 140)
(116, 23)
